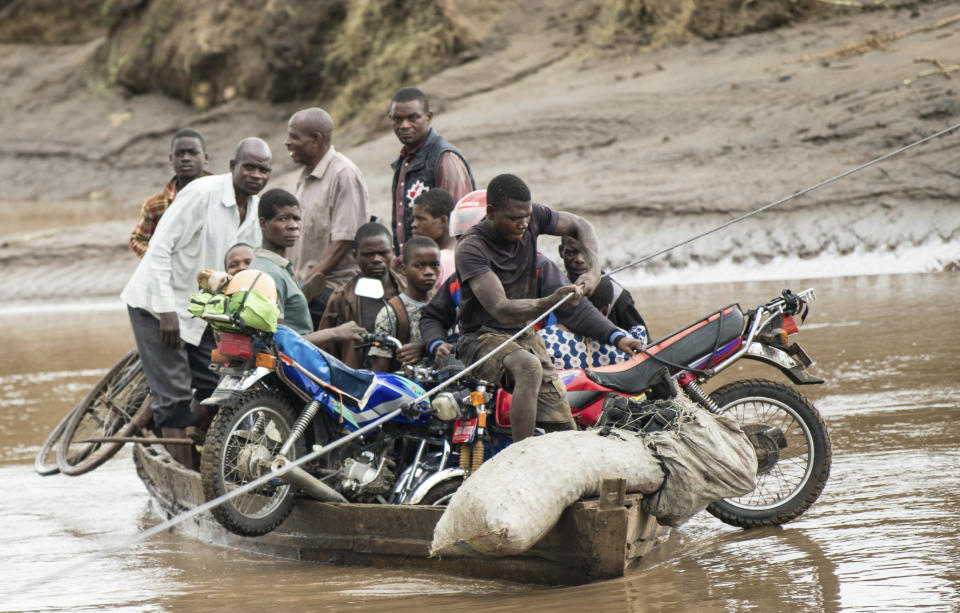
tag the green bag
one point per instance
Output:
(228, 313)
(255, 310)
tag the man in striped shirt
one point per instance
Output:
(188, 157)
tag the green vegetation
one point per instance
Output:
(383, 46)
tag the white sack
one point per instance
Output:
(706, 458)
(516, 497)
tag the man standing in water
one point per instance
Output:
(188, 157)
(211, 214)
(426, 161)
(496, 265)
(335, 204)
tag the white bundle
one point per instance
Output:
(515, 498)
(706, 458)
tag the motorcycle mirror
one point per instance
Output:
(369, 288)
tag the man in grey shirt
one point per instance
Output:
(335, 203)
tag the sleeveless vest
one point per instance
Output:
(422, 171)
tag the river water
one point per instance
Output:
(885, 534)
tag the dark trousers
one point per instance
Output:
(172, 374)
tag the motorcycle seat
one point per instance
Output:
(684, 346)
(321, 364)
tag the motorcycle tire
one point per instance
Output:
(440, 494)
(793, 453)
(240, 445)
(109, 409)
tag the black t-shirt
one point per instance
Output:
(514, 263)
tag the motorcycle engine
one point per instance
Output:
(366, 476)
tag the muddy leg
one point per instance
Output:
(527, 374)
(179, 452)
(202, 416)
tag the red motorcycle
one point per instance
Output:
(788, 433)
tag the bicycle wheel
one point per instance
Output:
(46, 461)
(108, 410)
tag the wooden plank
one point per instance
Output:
(613, 493)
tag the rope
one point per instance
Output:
(170, 523)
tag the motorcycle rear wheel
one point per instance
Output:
(793, 449)
(240, 445)
(111, 408)
(440, 494)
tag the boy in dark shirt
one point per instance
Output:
(374, 254)
(401, 316)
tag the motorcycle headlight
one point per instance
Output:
(445, 406)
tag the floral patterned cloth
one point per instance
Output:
(570, 350)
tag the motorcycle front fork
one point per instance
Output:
(472, 454)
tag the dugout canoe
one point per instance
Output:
(595, 539)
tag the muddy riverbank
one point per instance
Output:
(653, 148)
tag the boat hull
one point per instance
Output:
(593, 540)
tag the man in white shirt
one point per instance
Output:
(208, 216)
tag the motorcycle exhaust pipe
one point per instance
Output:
(300, 478)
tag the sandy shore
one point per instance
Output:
(652, 148)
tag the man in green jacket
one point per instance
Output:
(280, 224)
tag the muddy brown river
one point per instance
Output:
(885, 534)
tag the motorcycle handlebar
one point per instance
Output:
(368, 339)
(792, 302)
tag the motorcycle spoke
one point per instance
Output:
(256, 431)
(779, 481)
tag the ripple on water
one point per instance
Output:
(925, 398)
(882, 537)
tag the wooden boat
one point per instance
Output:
(594, 539)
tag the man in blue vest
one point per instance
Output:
(426, 161)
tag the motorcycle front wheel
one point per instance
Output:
(793, 452)
(241, 444)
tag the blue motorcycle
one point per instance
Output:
(279, 397)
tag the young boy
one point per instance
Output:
(431, 218)
(373, 251)
(238, 258)
(401, 317)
